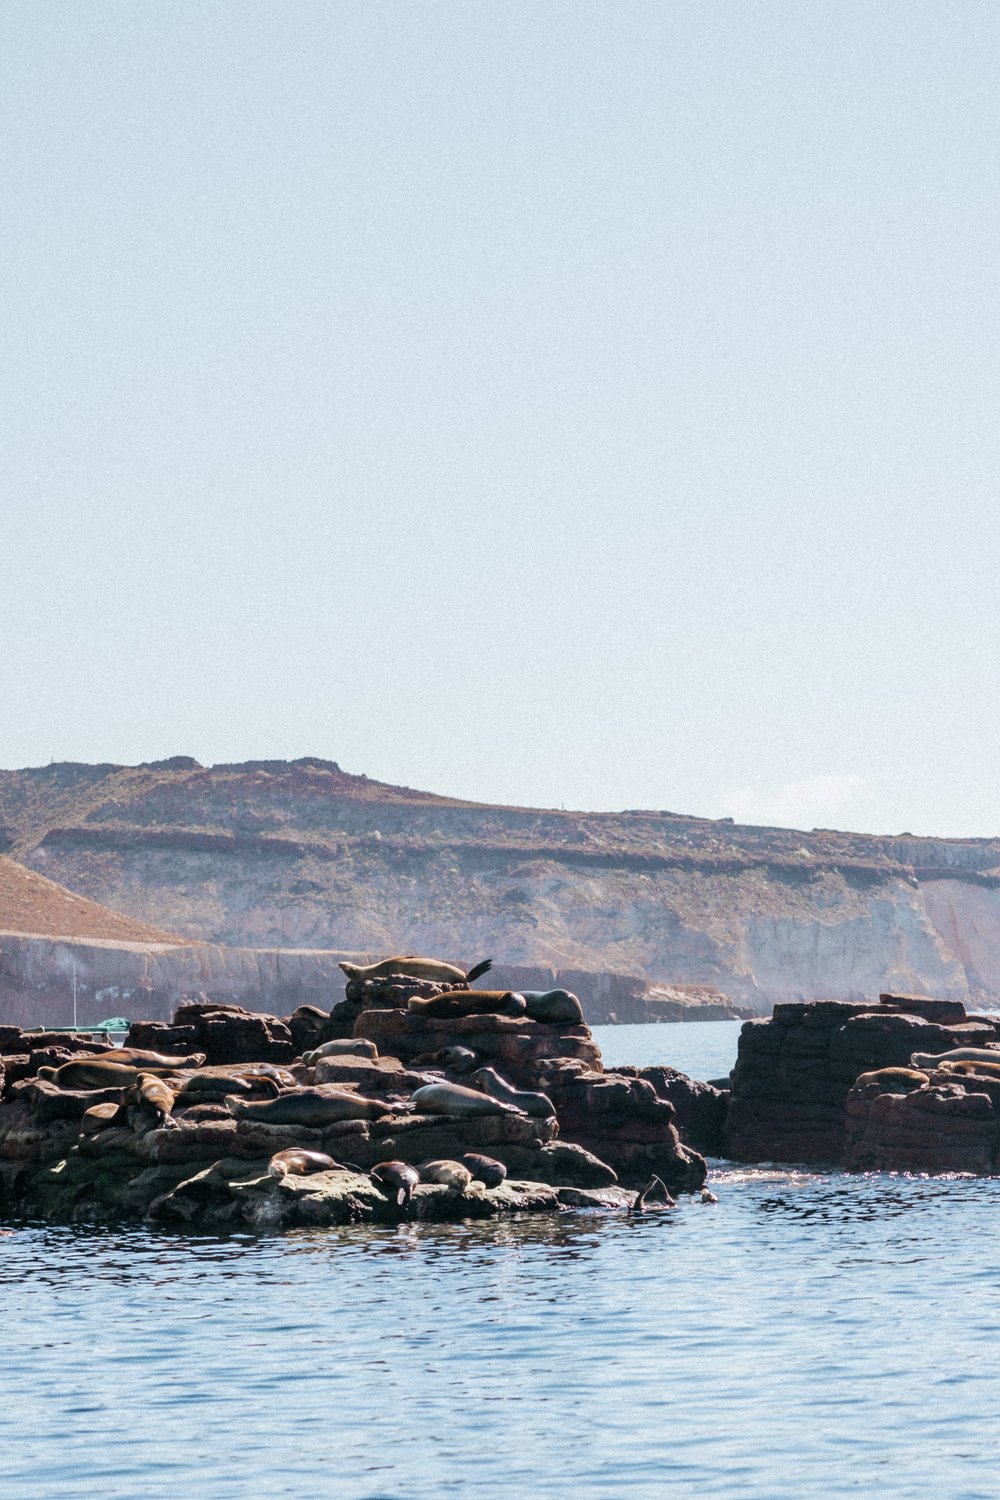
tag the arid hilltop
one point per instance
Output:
(276, 854)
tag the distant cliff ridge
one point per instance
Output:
(272, 855)
(46, 981)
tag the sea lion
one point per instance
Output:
(432, 969)
(310, 1107)
(453, 1099)
(973, 1069)
(260, 1070)
(644, 1199)
(538, 1106)
(98, 1117)
(351, 1046)
(397, 1179)
(460, 1003)
(895, 1080)
(296, 1161)
(957, 1054)
(200, 1087)
(141, 1057)
(90, 1074)
(553, 1006)
(149, 1103)
(455, 1059)
(484, 1169)
(449, 1173)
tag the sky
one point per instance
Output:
(586, 405)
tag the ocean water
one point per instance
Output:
(805, 1337)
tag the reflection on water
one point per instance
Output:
(807, 1336)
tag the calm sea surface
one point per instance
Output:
(806, 1336)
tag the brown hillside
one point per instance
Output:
(33, 905)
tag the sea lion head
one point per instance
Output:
(351, 970)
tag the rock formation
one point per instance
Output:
(793, 1093)
(206, 1163)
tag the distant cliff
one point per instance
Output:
(272, 854)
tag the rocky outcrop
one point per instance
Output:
(946, 1123)
(569, 1135)
(794, 1072)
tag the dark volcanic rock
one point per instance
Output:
(699, 1108)
(794, 1072)
(225, 1033)
(948, 1125)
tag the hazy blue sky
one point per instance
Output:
(585, 404)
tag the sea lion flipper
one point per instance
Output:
(479, 970)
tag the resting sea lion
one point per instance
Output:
(308, 1107)
(449, 1173)
(90, 1074)
(140, 1057)
(895, 1080)
(957, 1054)
(268, 1070)
(538, 1106)
(149, 1102)
(413, 967)
(296, 1161)
(204, 1086)
(97, 1117)
(352, 1046)
(553, 1005)
(453, 1099)
(643, 1199)
(973, 1069)
(397, 1179)
(455, 1059)
(468, 1003)
(484, 1169)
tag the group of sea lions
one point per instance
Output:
(151, 1086)
(553, 1006)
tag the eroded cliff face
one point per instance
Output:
(276, 855)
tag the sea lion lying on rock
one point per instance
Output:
(149, 1103)
(201, 1087)
(467, 1003)
(973, 1069)
(310, 1107)
(448, 1173)
(454, 1099)
(396, 1179)
(432, 969)
(91, 1073)
(484, 1169)
(538, 1106)
(957, 1054)
(296, 1161)
(140, 1057)
(259, 1070)
(553, 1006)
(894, 1080)
(98, 1117)
(455, 1059)
(350, 1046)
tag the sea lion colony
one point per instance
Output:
(312, 1117)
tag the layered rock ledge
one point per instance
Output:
(594, 1139)
(830, 1083)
